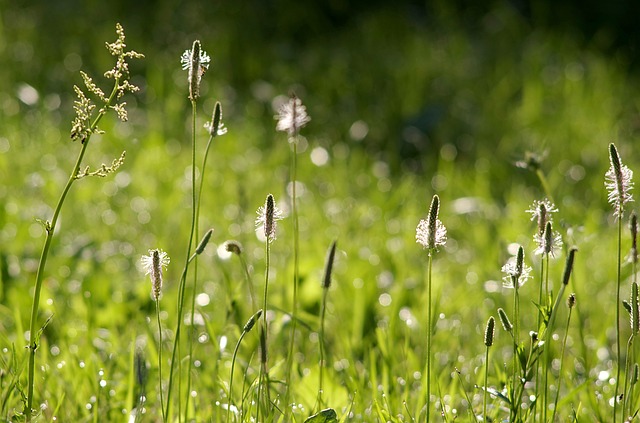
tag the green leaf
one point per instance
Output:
(325, 416)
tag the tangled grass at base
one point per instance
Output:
(378, 329)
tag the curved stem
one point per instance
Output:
(322, 314)
(50, 229)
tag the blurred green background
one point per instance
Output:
(407, 99)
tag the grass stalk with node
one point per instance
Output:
(85, 124)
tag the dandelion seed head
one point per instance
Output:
(292, 116)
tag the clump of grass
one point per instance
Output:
(89, 112)
(431, 234)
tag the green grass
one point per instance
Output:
(495, 96)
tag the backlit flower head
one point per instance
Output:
(431, 233)
(541, 212)
(549, 242)
(268, 215)
(215, 127)
(196, 61)
(516, 271)
(153, 265)
(292, 116)
(618, 182)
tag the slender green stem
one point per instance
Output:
(183, 279)
(164, 418)
(233, 365)
(615, 398)
(564, 345)
(296, 254)
(486, 380)
(627, 375)
(322, 352)
(196, 200)
(50, 229)
(252, 294)
(264, 376)
(515, 405)
(545, 184)
(429, 335)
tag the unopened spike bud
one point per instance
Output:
(204, 242)
(328, 267)
(252, 321)
(519, 262)
(489, 332)
(568, 266)
(504, 320)
(571, 301)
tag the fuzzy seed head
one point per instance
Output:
(504, 320)
(549, 242)
(618, 182)
(153, 265)
(268, 215)
(215, 127)
(568, 266)
(431, 233)
(292, 116)
(516, 271)
(489, 332)
(196, 61)
(541, 212)
(234, 247)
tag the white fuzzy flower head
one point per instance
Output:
(430, 232)
(153, 265)
(618, 182)
(267, 217)
(516, 271)
(196, 61)
(549, 242)
(291, 117)
(215, 127)
(541, 212)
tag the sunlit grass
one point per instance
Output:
(494, 109)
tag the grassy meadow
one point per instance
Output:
(490, 119)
